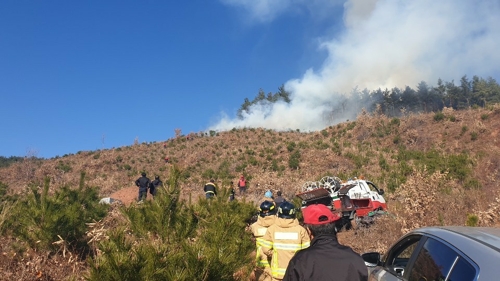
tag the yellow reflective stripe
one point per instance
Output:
(259, 241)
(278, 272)
(209, 192)
(291, 247)
(266, 243)
(263, 263)
(306, 245)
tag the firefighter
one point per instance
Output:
(267, 216)
(210, 189)
(315, 262)
(143, 183)
(283, 239)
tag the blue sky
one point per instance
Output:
(87, 75)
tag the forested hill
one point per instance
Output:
(396, 102)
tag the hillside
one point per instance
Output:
(437, 168)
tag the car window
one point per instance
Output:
(462, 271)
(433, 262)
(400, 254)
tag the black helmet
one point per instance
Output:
(143, 174)
(267, 208)
(157, 177)
(286, 210)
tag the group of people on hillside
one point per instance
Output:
(289, 251)
(144, 183)
(210, 188)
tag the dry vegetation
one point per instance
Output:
(418, 193)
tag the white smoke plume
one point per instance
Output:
(384, 43)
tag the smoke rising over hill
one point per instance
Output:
(383, 44)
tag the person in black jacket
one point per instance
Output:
(157, 183)
(325, 259)
(210, 190)
(143, 184)
(279, 199)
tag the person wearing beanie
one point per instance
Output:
(279, 199)
(143, 183)
(325, 259)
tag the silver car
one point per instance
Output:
(444, 253)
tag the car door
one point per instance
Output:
(397, 259)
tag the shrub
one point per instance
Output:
(484, 116)
(241, 167)
(209, 174)
(65, 167)
(395, 121)
(351, 125)
(472, 183)
(358, 159)
(439, 116)
(396, 139)
(383, 163)
(294, 160)
(291, 146)
(473, 136)
(3, 190)
(320, 145)
(274, 165)
(472, 220)
(464, 129)
(42, 219)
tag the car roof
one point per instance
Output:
(489, 236)
(481, 244)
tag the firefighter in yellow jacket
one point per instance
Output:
(283, 239)
(267, 216)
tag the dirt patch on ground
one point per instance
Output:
(128, 195)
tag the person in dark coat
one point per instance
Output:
(157, 183)
(325, 259)
(210, 189)
(279, 199)
(143, 184)
(231, 192)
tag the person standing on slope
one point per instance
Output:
(279, 199)
(325, 259)
(143, 183)
(210, 189)
(231, 192)
(153, 188)
(283, 239)
(267, 216)
(242, 185)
